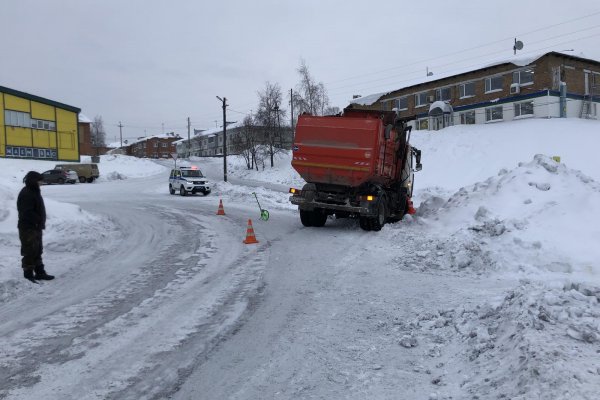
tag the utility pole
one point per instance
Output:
(224, 100)
(189, 143)
(121, 133)
(163, 128)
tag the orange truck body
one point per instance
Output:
(357, 165)
(347, 151)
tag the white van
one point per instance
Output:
(188, 180)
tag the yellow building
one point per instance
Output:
(34, 127)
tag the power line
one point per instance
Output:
(472, 58)
(462, 69)
(468, 49)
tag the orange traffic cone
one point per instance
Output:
(250, 237)
(411, 209)
(221, 210)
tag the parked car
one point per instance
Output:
(86, 172)
(59, 176)
(188, 180)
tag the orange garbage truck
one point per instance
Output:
(359, 164)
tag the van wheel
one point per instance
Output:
(171, 190)
(90, 180)
(81, 179)
(182, 191)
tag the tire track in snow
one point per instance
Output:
(68, 335)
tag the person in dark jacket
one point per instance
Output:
(32, 221)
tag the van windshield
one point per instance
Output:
(191, 173)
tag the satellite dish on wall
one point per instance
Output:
(518, 45)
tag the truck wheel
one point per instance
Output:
(82, 179)
(379, 221)
(90, 180)
(318, 218)
(171, 190)
(306, 217)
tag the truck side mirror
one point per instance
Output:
(419, 167)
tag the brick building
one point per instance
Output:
(158, 146)
(547, 86)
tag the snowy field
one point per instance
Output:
(490, 291)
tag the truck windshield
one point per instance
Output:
(191, 173)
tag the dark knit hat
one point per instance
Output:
(32, 177)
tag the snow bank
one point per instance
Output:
(462, 155)
(540, 217)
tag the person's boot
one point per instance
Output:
(41, 274)
(28, 274)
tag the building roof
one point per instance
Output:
(212, 131)
(516, 61)
(39, 99)
(84, 119)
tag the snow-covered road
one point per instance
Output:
(161, 288)
(492, 290)
(169, 302)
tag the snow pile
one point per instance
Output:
(118, 167)
(462, 155)
(244, 194)
(541, 216)
(281, 173)
(537, 223)
(523, 347)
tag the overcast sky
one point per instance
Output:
(152, 62)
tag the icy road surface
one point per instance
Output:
(168, 302)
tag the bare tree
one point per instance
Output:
(310, 96)
(247, 141)
(98, 132)
(269, 116)
(332, 110)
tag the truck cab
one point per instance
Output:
(188, 180)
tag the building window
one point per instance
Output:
(493, 84)
(401, 103)
(423, 124)
(467, 117)
(163, 145)
(443, 94)
(523, 109)
(155, 145)
(466, 90)
(421, 99)
(523, 77)
(493, 114)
